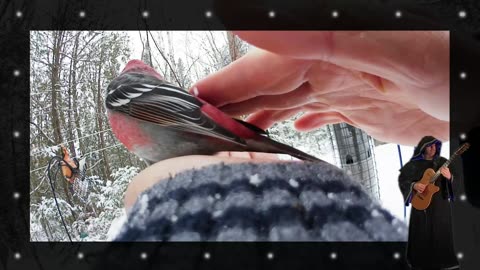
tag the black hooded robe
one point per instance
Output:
(430, 239)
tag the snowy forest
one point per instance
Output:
(69, 72)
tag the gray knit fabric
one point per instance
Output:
(293, 201)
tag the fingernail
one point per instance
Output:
(195, 91)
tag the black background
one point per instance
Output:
(246, 14)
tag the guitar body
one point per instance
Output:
(421, 201)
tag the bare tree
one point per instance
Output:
(99, 109)
(233, 46)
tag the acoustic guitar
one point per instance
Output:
(421, 201)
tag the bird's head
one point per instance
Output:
(134, 81)
(137, 66)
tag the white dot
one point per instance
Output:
(271, 14)
(206, 255)
(463, 197)
(333, 255)
(174, 218)
(463, 75)
(270, 255)
(255, 180)
(462, 14)
(293, 183)
(145, 14)
(16, 195)
(16, 134)
(16, 73)
(81, 14)
(19, 14)
(17, 256)
(460, 255)
(375, 213)
(396, 255)
(208, 14)
(463, 136)
(398, 14)
(334, 14)
(80, 255)
(143, 255)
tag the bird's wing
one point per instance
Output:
(149, 99)
(253, 127)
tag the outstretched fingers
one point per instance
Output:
(293, 99)
(265, 119)
(257, 73)
(393, 55)
(314, 120)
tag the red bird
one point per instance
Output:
(157, 120)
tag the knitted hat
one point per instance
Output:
(290, 201)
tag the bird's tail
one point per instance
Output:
(265, 144)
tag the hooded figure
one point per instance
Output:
(430, 240)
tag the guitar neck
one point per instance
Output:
(446, 164)
(459, 151)
(438, 172)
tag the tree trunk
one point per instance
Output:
(56, 96)
(75, 96)
(55, 80)
(106, 168)
(72, 85)
(233, 46)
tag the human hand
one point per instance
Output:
(170, 167)
(394, 85)
(446, 172)
(419, 187)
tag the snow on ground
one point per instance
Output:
(388, 166)
(116, 226)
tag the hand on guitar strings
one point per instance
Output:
(446, 172)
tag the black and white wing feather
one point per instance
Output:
(148, 99)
